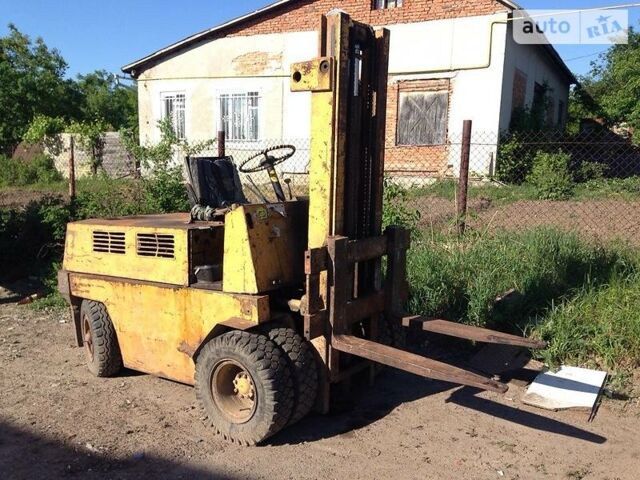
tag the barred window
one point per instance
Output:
(173, 107)
(382, 4)
(423, 118)
(240, 115)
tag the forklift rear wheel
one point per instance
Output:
(303, 367)
(244, 384)
(99, 339)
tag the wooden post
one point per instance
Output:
(221, 144)
(72, 169)
(463, 181)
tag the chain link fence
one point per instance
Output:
(587, 182)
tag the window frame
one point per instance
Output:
(246, 92)
(385, 4)
(163, 112)
(426, 91)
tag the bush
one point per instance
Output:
(17, 172)
(514, 159)
(395, 210)
(106, 197)
(551, 176)
(588, 171)
(31, 237)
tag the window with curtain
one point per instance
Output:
(240, 115)
(174, 108)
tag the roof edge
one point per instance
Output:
(131, 67)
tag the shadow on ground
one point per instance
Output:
(25, 455)
(393, 388)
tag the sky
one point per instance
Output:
(108, 34)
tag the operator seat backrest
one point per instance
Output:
(213, 182)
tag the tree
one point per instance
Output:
(614, 86)
(31, 82)
(105, 98)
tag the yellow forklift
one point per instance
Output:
(264, 307)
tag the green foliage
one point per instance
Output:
(43, 127)
(614, 83)
(551, 176)
(106, 197)
(32, 82)
(36, 99)
(17, 172)
(90, 138)
(588, 171)
(31, 236)
(514, 159)
(163, 177)
(598, 327)
(582, 105)
(461, 279)
(580, 297)
(106, 99)
(396, 210)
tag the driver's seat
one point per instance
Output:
(213, 182)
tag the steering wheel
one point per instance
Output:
(268, 161)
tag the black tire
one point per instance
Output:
(303, 366)
(257, 357)
(100, 341)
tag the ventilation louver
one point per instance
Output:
(155, 245)
(108, 242)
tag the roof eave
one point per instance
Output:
(133, 66)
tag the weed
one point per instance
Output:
(551, 176)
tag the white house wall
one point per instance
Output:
(537, 64)
(469, 51)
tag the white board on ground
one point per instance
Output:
(569, 387)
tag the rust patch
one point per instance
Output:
(187, 349)
(254, 63)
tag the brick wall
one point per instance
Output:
(303, 15)
(403, 159)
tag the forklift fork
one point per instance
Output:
(347, 311)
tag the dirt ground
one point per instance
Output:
(58, 421)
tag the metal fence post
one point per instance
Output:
(72, 169)
(463, 181)
(221, 143)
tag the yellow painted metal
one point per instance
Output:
(159, 327)
(81, 257)
(263, 248)
(328, 142)
(312, 76)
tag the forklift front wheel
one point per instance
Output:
(244, 384)
(99, 339)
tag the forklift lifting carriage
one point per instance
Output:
(265, 306)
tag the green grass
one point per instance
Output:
(627, 189)
(579, 296)
(599, 326)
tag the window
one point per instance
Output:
(382, 4)
(519, 89)
(561, 113)
(422, 118)
(173, 107)
(239, 115)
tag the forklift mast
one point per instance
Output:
(346, 305)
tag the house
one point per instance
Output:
(449, 61)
